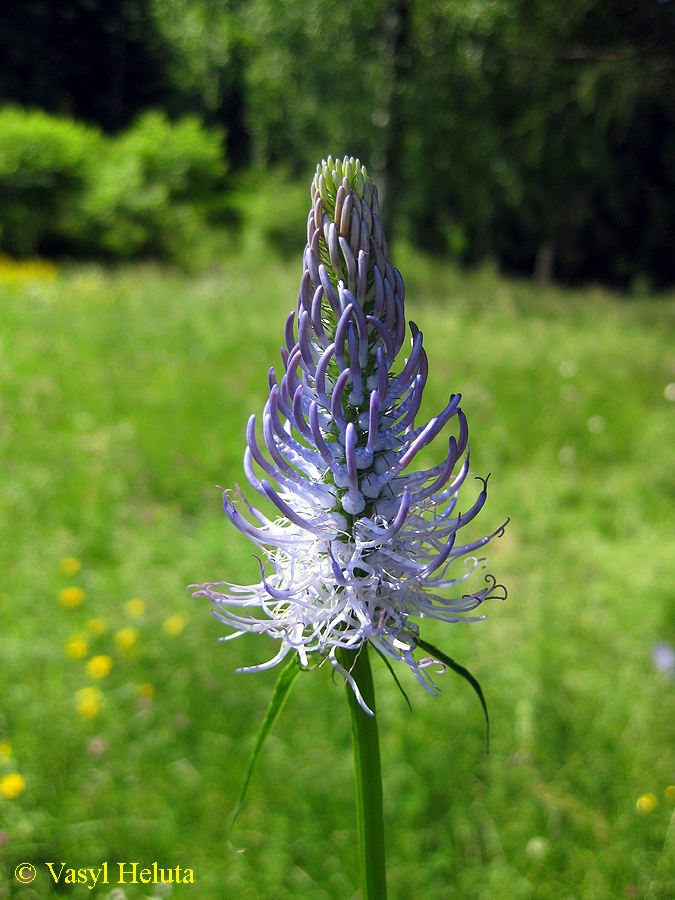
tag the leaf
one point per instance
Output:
(394, 676)
(281, 691)
(467, 676)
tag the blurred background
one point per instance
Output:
(155, 163)
(520, 131)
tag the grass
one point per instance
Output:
(123, 400)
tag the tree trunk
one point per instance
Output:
(397, 24)
(543, 264)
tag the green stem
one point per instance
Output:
(369, 817)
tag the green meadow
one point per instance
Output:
(124, 730)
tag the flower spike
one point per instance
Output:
(360, 545)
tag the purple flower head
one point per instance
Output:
(363, 542)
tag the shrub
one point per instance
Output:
(43, 172)
(67, 187)
(152, 188)
(184, 156)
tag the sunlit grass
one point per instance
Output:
(123, 401)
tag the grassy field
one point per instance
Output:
(124, 731)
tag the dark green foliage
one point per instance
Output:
(318, 79)
(532, 133)
(513, 130)
(69, 188)
(98, 60)
(210, 49)
(151, 189)
(43, 173)
(536, 132)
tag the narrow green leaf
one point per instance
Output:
(281, 691)
(394, 676)
(467, 676)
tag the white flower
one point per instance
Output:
(361, 546)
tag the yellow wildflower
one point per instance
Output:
(76, 648)
(89, 701)
(99, 666)
(175, 624)
(70, 566)
(96, 626)
(71, 596)
(135, 607)
(5, 751)
(146, 691)
(126, 638)
(670, 793)
(18, 271)
(646, 804)
(12, 785)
